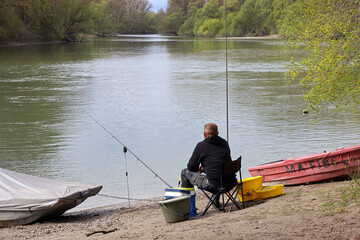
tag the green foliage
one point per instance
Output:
(254, 18)
(209, 28)
(232, 6)
(10, 24)
(103, 21)
(172, 23)
(46, 20)
(205, 24)
(75, 15)
(355, 186)
(183, 6)
(43, 19)
(210, 10)
(156, 19)
(244, 17)
(28, 20)
(137, 16)
(230, 17)
(193, 7)
(329, 31)
(187, 29)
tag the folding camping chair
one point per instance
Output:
(228, 169)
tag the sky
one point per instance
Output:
(158, 4)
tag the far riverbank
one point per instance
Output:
(88, 37)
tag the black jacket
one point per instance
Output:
(211, 153)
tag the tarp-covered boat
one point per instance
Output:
(335, 164)
(25, 199)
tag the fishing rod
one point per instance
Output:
(227, 78)
(137, 158)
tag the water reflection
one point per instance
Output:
(36, 82)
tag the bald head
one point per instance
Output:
(210, 129)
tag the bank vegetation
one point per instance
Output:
(44, 20)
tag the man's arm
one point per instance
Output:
(194, 162)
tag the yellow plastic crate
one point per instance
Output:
(250, 186)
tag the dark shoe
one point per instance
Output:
(215, 199)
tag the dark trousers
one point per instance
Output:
(189, 179)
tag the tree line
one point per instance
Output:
(207, 18)
(29, 20)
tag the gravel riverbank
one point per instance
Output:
(318, 211)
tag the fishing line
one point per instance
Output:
(127, 198)
(137, 158)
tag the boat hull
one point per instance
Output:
(21, 217)
(336, 164)
(25, 199)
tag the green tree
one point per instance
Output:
(232, 7)
(329, 31)
(137, 16)
(46, 19)
(177, 6)
(210, 27)
(76, 14)
(268, 25)
(29, 20)
(172, 23)
(183, 6)
(104, 21)
(202, 24)
(187, 29)
(156, 20)
(10, 25)
(254, 18)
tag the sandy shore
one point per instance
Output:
(319, 211)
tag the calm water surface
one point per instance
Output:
(155, 94)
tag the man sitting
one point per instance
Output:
(208, 157)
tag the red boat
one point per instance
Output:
(332, 165)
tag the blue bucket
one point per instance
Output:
(179, 192)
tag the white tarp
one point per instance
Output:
(21, 192)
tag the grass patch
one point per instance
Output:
(337, 200)
(355, 187)
(332, 207)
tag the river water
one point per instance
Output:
(154, 94)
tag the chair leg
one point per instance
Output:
(210, 203)
(242, 192)
(232, 198)
(206, 209)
